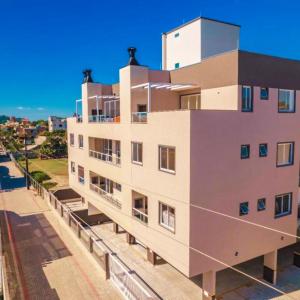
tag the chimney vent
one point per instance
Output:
(87, 76)
(132, 59)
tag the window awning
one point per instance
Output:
(164, 85)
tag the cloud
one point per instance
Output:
(23, 108)
(40, 108)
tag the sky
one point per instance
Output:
(45, 45)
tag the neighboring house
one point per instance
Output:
(57, 123)
(182, 157)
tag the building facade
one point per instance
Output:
(57, 123)
(200, 164)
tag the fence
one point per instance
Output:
(127, 282)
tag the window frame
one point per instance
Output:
(264, 98)
(72, 164)
(241, 203)
(283, 214)
(140, 163)
(245, 145)
(159, 159)
(251, 99)
(294, 99)
(263, 144)
(72, 139)
(160, 204)
(80, 139)
(265, 202)
(293, 154)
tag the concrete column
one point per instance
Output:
(270, 267)
(209, 285)
(116, 228)
(130, 238)
(151, 256)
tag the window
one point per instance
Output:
(167, 159)
(80, 140)
(140, 209)
(177, 65)
(263, 150)
(81, 174)
(261, 204)
(286, 101)
(244, 208)
(73, 167)
(72, 139)
(264, 94)
(285, 154)
(167, 216)
(118, 187)
(245, 151)
(190, 101)
(283, 205)
(142, 108)
(137, 153)
(247, 99)
(176, 34)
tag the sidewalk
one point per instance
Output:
(51, 262)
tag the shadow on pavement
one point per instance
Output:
(37, 246)
(9, 182)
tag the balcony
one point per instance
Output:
(106, 188)
(106, 150)
(140, 207)
(139, 117)
(103, 119)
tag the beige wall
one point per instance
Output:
(222, 98)
(209, 173)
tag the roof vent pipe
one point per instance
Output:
(132, 59)
(87, 76)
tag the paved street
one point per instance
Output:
(44, 260)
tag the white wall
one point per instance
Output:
(184, 49)
(197, 40)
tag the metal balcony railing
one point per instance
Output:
(116, 160)
(108, 197)
(139, 117)
(140, 215)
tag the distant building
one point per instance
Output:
(12, 119)
(57, 123)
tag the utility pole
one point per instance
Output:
(26, 161)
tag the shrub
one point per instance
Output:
(49, 185)
(40, 176)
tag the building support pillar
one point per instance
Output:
(270, 267)
(130, 238)
(151, 256)
(209, 285)
(116, 228)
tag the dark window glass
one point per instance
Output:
(261, 204)
(247, 100)
(245, 151)
(283, 205)
(244, 208)
(176, 34)
(263, 150)
(177, 65)
(264, 93)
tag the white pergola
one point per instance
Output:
(111, 101)
(177, 87)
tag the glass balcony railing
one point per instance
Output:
(139, 117)
(104, 119)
